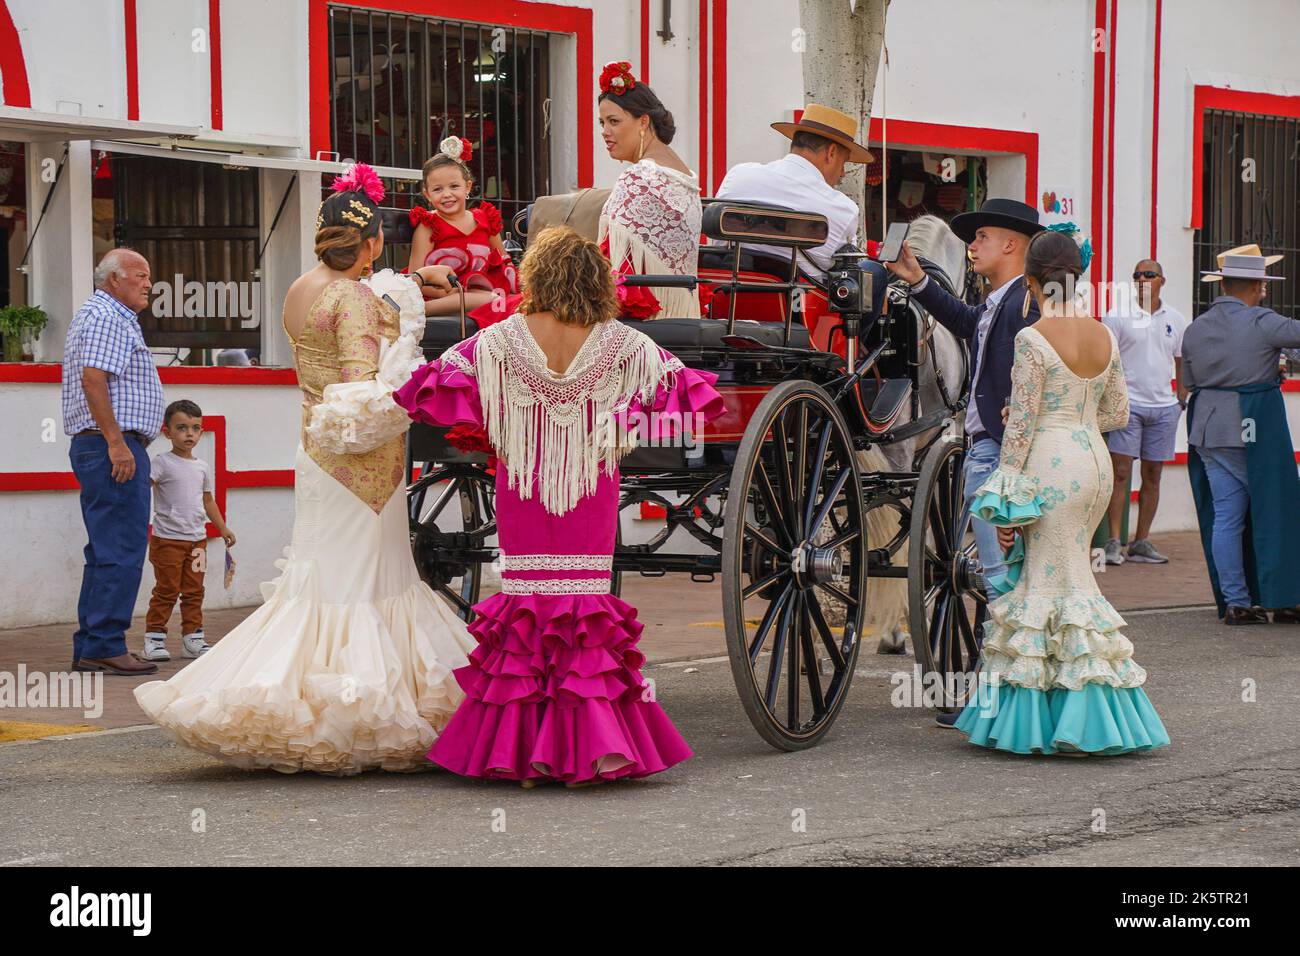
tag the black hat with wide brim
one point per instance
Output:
(1005, 213)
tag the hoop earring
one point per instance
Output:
(1024, 308)
(641, 152)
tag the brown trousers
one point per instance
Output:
(178, 572)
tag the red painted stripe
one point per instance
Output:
(548, 17)
(1097, 226)
(645, 42)
(38, 481)
(269, 478)
(703, 50)
(1155, 131)
(1113, 46)
(17, 91)
(52, 373)
(719, 98)
(214, 60)
(974, 138)
(1240, 101)
(132, 61)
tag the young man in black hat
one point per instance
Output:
(998, 236)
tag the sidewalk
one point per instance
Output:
(683, 621)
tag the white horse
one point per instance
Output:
(887, 611)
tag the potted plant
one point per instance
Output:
(21, 325)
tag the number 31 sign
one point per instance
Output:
(1056, 205)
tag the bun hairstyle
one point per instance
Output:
(567, 274)
(348, 217)
(640, 101)
(1053, 261)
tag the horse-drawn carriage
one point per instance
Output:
(827, 473)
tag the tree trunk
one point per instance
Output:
(842, 43)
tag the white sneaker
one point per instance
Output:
(193, 645)
(155, 647)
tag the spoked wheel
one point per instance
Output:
(794, 558)
(452, 512)
(946, 604)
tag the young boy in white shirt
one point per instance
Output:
(183, 503)
(1150, 337)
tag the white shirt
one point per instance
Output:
(178, 487)
(973, 423)
(1148, 345)
(795, 183)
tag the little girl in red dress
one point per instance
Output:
(467, 240)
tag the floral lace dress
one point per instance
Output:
(554, 688)
(651, 226)
(1056, 672)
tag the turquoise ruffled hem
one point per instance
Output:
(1098, 719)
(999, 510)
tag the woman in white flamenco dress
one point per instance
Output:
(347, 666)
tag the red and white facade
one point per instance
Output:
(1097, 99)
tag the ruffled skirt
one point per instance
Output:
(554, 690)
(346, 667)
(1058, 675)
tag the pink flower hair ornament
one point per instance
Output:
(361, 177)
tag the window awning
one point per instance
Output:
(32, 126)
(238, 159)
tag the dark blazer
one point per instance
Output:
(993, 390)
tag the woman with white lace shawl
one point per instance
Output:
(651, 222)
(348, 663)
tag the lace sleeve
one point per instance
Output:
(1112, 407)
(1028, 376)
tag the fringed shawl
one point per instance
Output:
(561, 429)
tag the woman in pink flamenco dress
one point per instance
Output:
(554, 689)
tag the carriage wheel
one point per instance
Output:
(794, 555)
(462, 495)
(945, 605)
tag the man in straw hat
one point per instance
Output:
(1240, 458)
(821, 143)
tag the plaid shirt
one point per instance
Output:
(106, 335)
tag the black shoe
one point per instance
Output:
(946, 718)
(1287, 615)
(1245, 615)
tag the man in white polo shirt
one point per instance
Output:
(1150, 336)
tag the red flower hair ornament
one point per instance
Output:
(361, 177)
(457, 147)
(617, 78)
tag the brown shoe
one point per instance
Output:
(1245, 615)
(124, 665)
(1287, 615)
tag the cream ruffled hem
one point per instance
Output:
(331, 688)
(1043, 641)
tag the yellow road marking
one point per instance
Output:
(11, 730)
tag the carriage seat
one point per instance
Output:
(693, 335)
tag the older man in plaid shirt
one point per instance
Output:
(113, 409)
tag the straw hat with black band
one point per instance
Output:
(840, 128)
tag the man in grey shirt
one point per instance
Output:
(1237, 342)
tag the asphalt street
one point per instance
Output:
(885, 787)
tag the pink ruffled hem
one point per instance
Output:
(554, 690)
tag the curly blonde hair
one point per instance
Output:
(566, 274)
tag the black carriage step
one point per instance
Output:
(889, 402)
(708, 334)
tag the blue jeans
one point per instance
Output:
(116, 515)
(981, 460)
(1225, 468)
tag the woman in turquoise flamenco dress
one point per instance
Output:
(1057, 676)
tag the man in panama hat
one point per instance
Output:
(1250, 249)
(821, 143)
(1240, 458)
